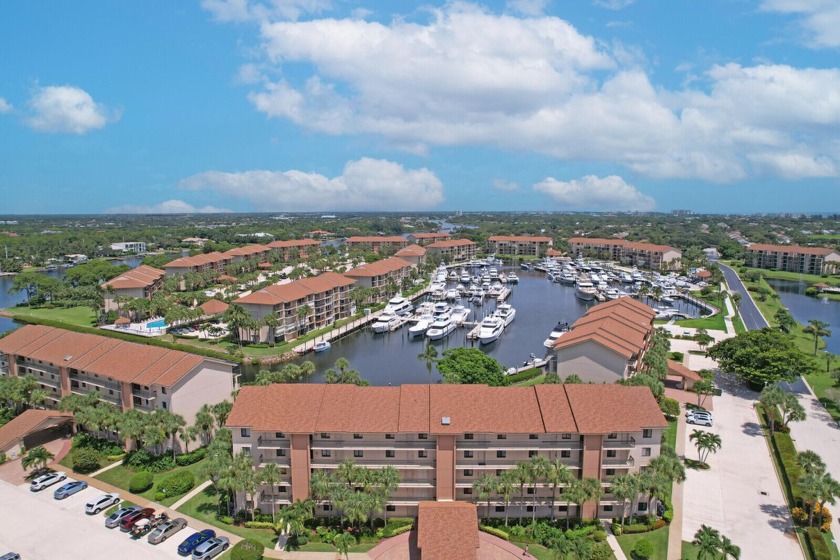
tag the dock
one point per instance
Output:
(503, 295)
(530, 365)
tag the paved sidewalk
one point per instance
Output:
(108, 468)
(611, 540)
(675, 530)
(194, 492)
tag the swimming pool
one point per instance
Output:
(159, 324)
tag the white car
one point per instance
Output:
(211, 548)
(699, 417)
(46, 480)
(101, 502)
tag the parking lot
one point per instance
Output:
(37, 527)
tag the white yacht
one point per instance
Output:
(399, 306)
(441, 327)
(491, 329)
(453, 276)
(441, 308)
(494, 273)
(465, 277)
(512, 278)
(506, 313)
(556, 333)
(386, 322)
(422, 325)
(585, 290)
(460, 314)
(567, 276)
(612, 293)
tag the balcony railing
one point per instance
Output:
(266, 443)
(502, 444)
(462, 463)
(334, 463)
(619, 463)
(620, 443)
(388, 444)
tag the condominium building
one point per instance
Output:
(200, 263)
(376, 243)
(793, 258)
(454, 250)
(247, 253)
(428, 238)
(301, 248)
(141, 282)
(217, 262)
(607, 344)
(642, 255)
(129, 247)
(127, 374)
(302, 305)
(380, 275)
(441, 438)
(415, 254)
(519, 245)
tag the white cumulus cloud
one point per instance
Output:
(527, 7)
(506, 186)
(165, 207)
(5, 106)
(67, 109)
(365, 184)
(595, 193)
(819, 19)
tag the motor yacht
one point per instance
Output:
(556, 333)
(506, 313)
(512, 278)
(386, 323)
(422, 325)
(398, 306)
(585, 290)
(491, 329)
(441, 327)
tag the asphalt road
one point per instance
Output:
(753, 319)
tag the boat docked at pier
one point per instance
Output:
(585, 290)
(441, 327)
(386, 323)
(506, 313)
(398, 305)
(422, 325)
(491, 329)
(556, 333)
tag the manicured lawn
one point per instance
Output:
(67, 461)
(819, 382)
(82, 316)
(121, 477)
(531, 382)
(203, 506)
(669, 436)
(689, 551)
(540, 552)
(326, 547)
(712, 323)
(738, 323)
(658, 538)
(796, 277)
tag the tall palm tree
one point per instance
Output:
(389, 482)
(343, 541)
(706, 443)
(522, 476)
(728, 548)
(483, 487)
(707, 541)
(505, 486)
(818, 329)
(810, 486)
(36, 458)
(245, 478)
(221, 411)
(829, 491)
(576, 494)
(271, 475)
(320, 485)
(540, 468)
(205, 421)
(810, 462)
(592, 490)
(558, 474)
(624, 487)
(430, 356)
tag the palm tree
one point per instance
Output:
(563, 546)
(272, 321)
(302, 313)
(221, 411)
(245, 478)
(321, 484)
(204, 421)
(237, 318)
(505, 486)
(271, 475)
(540, 467)
(36, 458)
(829, 490)
(294, 517)
(171, 424)
(484, 486)
(810, 462)
(728, 548)
(576, 494)
(430, 356)
(389, 482)
(591, 490)
(707, 541)
(343, 541)
(811, 486)
(558, 474)
(522, 476)
(706, 443)
(624, 487)
(818, 329)
(188, 434)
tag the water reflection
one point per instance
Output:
(805, 308)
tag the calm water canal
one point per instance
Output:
(804, 308)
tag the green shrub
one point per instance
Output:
(85, 459)
(104, 447)
(141, 482)
(669, 407)
(601, 551)
(247, 549)
(143, 460)
(259, 525)
(396, 523)
(2, 458)
(177, 483)
(643, 549)
(401, 530)
(227, 520)
(599, 536)
(816, 543)
(523, 375)
(495, 532)
(636, 528)
(191, 457)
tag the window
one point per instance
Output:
(325, 436)
(642, 506)
(389, 436)
(278, 435)
(566, 436)
(422, 436)
(327, 507)
(647, 434)
(245, 432)
(358, 453)
(532, 453)
(499, 472)
(500, 509)
(468, 454)
(611, 453)
(529, 509)
(565, 453)
(501, 454)
(357, 436)
(163, 390)
(281, 452)
(501, 436)
(282, 489)
(468, 436)
(163, 404)
(467, 491)
(390, 453)
(390, 508)
(246, 450)
(612, 436)
(563, 508)
(610, 472)
(645, 451)
(530, 491)
(422, 453)
(533, 436)
(326, 453)
(468, 472)
(608, 508)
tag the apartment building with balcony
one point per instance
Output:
(428, 238)
(379, 275)
(325, 297)
(127, 374)
(300, 248)
(454, 250)
(415, 254)
(642, 255)
(792, 258)
(441, 438)
(376, 243)
(519, 245)
(249, 252)
(200, 263)
(140, 282)
(607, 344)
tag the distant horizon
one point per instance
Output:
(241, 106)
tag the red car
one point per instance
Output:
(129, 520)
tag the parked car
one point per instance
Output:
(46, 480)
(166, 530)
(192, 542)
(69, 489)
(211, 548)
(10, 556)
(700, 418)
(101, 502)
(129, 520)
(114, 519)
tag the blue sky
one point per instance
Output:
(291, 105)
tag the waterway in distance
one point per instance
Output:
(805, 308)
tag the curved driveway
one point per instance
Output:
(753, 319)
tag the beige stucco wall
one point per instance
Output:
(209, 383)
(591, 362)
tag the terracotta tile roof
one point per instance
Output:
(122, 321)
(376, 239)
(293, 243)
(447, 531)
(140, 277)
(27, 422)
(213, 307)
(451, 243)
(120, 360)
(325, 282)
(703, 274)
(411, 251)
(200, 259)
(676, 368)
(313, 408)
(247, 251)
(604, 409)
(622, 243)
(520, 238)
(622, 325)
(553, 253)
(378, 268)
(792, 249)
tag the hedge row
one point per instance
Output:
(495, 532)
(259, 525)
(815, 541)
(141, 482)
(401, 530)
(523, 375)
(176, 484)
